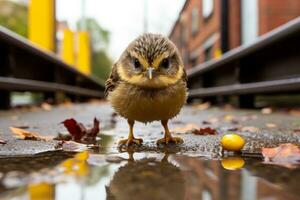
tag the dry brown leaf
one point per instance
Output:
(266, 111)
(297, 130)
(287, 155)
(27, 135)
(228, 107)
(46, 106)
(186, 128)
(203, 106)
(205, 131)
(2, 141)
(271, 125)
(213, 120)
(295, 112)
(251, 129)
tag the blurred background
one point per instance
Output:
(105, 27)
(89, 35)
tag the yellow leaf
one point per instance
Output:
(271, 125)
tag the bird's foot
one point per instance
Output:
(131, 141)
(169, 140)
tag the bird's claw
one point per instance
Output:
(131, 141)
(169, 140)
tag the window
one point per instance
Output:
(207, 8)
(195, 20)
(208, 54)
(193, 62)
(206, 195)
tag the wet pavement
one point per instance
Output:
(194, 170)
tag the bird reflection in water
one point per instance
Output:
(147, 179)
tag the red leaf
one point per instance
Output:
(205, 131)
(77, 130)
(80, 133)
(286, 155)
(95, 130)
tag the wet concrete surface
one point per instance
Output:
(195, 169)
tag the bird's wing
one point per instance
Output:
(113, 80)
(184, 76)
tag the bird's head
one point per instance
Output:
(151, 61)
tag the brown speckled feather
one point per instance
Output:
(184, 76)
(113, 80)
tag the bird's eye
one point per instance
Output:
(137, 64)
(165, 63)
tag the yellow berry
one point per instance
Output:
(232, 142)
(232, 163)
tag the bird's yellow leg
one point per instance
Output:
(131, 139)
(168, 137)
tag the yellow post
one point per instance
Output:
(84, 52)
(43, 191)
(218, 53)
(41, 21)
(68, 54)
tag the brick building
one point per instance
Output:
(207, 28)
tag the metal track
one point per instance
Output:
(26, 67)
(269, 65)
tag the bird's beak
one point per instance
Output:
(150, 72)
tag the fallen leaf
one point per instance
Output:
(21, 127)
(77, 130)
(213, 120)
(206, 122)
(297, 130)
(287, 155)
(250, 129)
(266, 111)
(186, 128)
(228, 107)
(295, 112)
(46, 106)
(205, 131)
(203, 106)
(2, 141)
(271, 125)
(230, 128)
(66, 104)
(80, 133)
(27, 135)
(228, 117)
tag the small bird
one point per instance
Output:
(148, 83)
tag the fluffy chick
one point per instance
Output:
(148, 83)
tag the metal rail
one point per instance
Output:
(269, 65)
(26, 67)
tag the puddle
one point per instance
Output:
(135, 176)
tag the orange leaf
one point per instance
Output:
(27, 135)
(286, 155)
